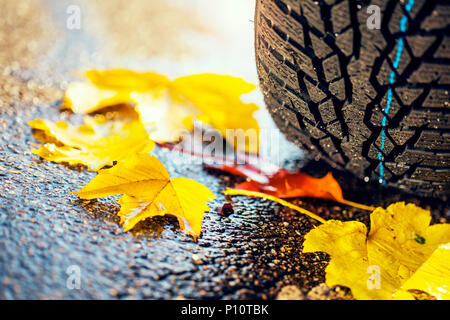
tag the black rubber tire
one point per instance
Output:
(325, 79)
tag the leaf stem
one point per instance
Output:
(236, 192)
(356, 205)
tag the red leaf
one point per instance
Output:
(265, 177)
(285, 184)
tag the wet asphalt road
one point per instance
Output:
(44, 229)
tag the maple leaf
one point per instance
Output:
(168, 106)
(95, 144)
(165, 120)
(148, 191)
(218, 99)
(399, 251)
(432, 277)
(109, 88)
(126, 80)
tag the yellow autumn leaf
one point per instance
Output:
(126, 80)
(218, 97)
(165, 120)
(433, 277)
(97, 143)
(148, 191)
(84, 97)
(109, 88)
(378, 265)
(168, 107)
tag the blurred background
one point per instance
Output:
(174, 37)
(49, 41)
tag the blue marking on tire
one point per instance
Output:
(395, 65)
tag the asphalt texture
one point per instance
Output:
(45, 230)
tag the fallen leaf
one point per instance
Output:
(97, 143)
(432, 277)
(165, 120)
(110, 88)
(148, 191)
(218, 97)
(169, 107)
(126, 80)
(378, 265)
(285, 184)
(281, 183)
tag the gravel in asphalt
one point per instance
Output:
(44, 229)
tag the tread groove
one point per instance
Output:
(334, 102)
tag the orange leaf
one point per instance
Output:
(285, 184)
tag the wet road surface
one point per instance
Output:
(44, 229)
